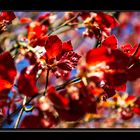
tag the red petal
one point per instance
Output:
(7, 71)
(27, 83)
(110, 42)
(53, 46)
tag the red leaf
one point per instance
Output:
(115, 79)
(127, 49)
(121, 60)
(137, 102)
(121, 87)
(105, 20)
(67, 46)
(27, 83)
(44, 19)
(7, 72)
(37, 34)
(126, 114)
(88, 104)
(98, 55)
(70, 115)
(66, 63)
(130, 98)
(51, 121)
(136, 110)
(31, 121)
(110, 42)
(84, 15)
(134, 71)
(58, 100)
(24, 20)
(53, 46)
(7, 16)
(109, 91)
(31, 57)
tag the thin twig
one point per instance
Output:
(64, 24)
(19, 117)
(47, 81)
(136, 50)
(59, 87)
(20, 113)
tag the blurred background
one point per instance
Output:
(128, 31)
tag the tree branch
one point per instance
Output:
(21, 107)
